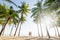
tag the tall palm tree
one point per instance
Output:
(23, 11)
(36, 21)
(2, 13)
(12, 15)
(37, 12)
(58, 22)
(47, 29)
(54, 5)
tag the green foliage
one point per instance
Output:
(34, 11)
(52, 4)
(23, 11)
(49, 2)
(37, 11)
(24, 8)
(8, 12)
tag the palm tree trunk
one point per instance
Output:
(4, 26)
(11, 30)
(19, 30)
(16, 29)
(3, 31)
(41, 29)
(38, 29)
(47, 32)
(57, 31)
(20, 24)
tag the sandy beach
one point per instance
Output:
(27, 38)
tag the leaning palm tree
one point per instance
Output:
(37, 12)
(23, 12)
(2, 13)
(22, 19)
(2, 23)
(53, 5)
(2, 9)
(12, 15)
(58, 22)
(14, 23)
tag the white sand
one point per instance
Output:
(27, 38)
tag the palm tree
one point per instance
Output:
(2, 13)
(36, 21)
(15, 21)
(58, 22)
(2, 23)
(23, 11)
(22, 21)
(47, 29)
(2, 10)
(54, 6)
(37, 12)
(12, 15)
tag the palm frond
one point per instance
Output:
(10, 2)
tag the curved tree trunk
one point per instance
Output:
(11, 30)
(3, 31)
(20, 24)
(16, 29)
(47, 32)
(38, 29)
(4, 26)
(19, 30)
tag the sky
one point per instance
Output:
(29, 25)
